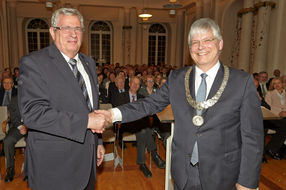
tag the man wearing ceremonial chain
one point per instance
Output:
(218, 133)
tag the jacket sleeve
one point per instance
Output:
(252, 136)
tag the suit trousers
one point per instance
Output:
(144, 137)
(193, 181)
(91, 181)
(10, 140)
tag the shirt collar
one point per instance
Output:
(211, 73)
(67, 58)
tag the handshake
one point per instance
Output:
(98, 120)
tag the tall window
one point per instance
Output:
(37, 34)
(100, 42)
(157, 44)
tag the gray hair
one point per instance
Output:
(67, 12)
(204, 25)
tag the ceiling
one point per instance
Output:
(157, 4)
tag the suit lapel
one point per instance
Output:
(192, 79)
(62, 66)
(92, 79)
(217, 82)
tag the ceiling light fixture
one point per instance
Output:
(144, 15)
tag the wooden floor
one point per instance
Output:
(273, 174)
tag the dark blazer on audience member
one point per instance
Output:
(61, 151)
(124, 98)
(113, 93)
(2, 94)
(260, 90)
(230, 142)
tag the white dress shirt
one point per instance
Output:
(84, 75)
(211, 74)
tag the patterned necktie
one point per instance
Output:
(81, 82)
(6, 99)
(201, 96)
(133, 98)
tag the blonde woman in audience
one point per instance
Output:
(149, 86)
(276, 99)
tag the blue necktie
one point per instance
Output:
(81, 82)
(201, 96)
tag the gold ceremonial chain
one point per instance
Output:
(210, 102)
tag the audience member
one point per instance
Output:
(101, 89)
(144, 136)
(157, 81)
(276, 99)
(16, 76)
(116, 88)
(263, 85)
(148, 88)
(7, 91)
(276, 73)
(16, 131)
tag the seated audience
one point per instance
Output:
(16, 131)
(276, 99)
(141, 128)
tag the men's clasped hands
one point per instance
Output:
(99, 120)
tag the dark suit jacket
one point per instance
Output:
(2, 94)
(60, 150)
(260, 90)
(230, 142)
(124, 98)
(113, 93)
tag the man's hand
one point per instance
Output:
(96, 122)
(240, 187)
(100, 154)
(23, 130)
(108, 114)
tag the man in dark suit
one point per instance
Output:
(116, 88)
(141, 128)
(218, 133)
(57, 95)
(16, 131)
(7, 92)
(263, 83)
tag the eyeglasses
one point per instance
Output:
(69, 29)
(150, 81)
(205, 42)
